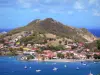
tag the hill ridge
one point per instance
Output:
(50, 25)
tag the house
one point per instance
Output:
(29, 52)
(87, 50)
(1, 46)
(34, 49)
(97, 53)
(26, 49)
(80, 56)
(80, 44)
(39, 45)
(68, 47)
(49, 54)
(29, 45)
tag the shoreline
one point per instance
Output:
(66, 60)
(59, 60)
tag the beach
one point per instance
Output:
(66, 60)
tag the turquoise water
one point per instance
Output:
(11, 66)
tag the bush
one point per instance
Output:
(60, 55)
(56, 48)
(11, 54)
(96, 56)
(88, 56)
(98, 44)
(30, 57)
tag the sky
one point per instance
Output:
(77, 13)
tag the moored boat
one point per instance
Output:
(55, 68)
(38, 70)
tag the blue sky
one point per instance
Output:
(77, 13)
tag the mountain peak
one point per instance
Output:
(36, 20)
(49, 19)
(50, 25)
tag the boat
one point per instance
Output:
(53, 63)
(77, 68)
(84, 64)
(30, 67)
(9, 57)
(25, 67)
(55, 68)
(95, 62)
(38, 70)
(65, 66)
(90, 73)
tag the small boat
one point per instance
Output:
(65, 66)
(53, 63)
(38, 70)
(84, 64)
(30, 67)
(25, 67)
(9, 57)
(95, 62)
(77, 68)
(55, 68)
(90, 73)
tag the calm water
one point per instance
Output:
(11, 66)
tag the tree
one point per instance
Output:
(2, 41)
(66, 42)
(30, 57)
(88, 56)
(21, 49)
(96, 56)
(68, 55)
(56, 48)
(60, 42)
(12, 51)
(98, 44)
(72, 55)
(60, 55)
(39, 51)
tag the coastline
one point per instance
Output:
(58, 60)
(66, 60)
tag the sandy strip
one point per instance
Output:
(67, 60)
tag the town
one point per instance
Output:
(66, 49)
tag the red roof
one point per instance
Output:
(34, 48)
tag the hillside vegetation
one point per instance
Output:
(49, 25)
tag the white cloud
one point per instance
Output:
(92, 1)
(48, 1)
(70, 12)
(96, 12)
(36, 10)
(79, 5)
(55, 11)
(52, 11)
(27, 3)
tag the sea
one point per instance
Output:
(5, 30)
(12, 66)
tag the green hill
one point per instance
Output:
(49, 25)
